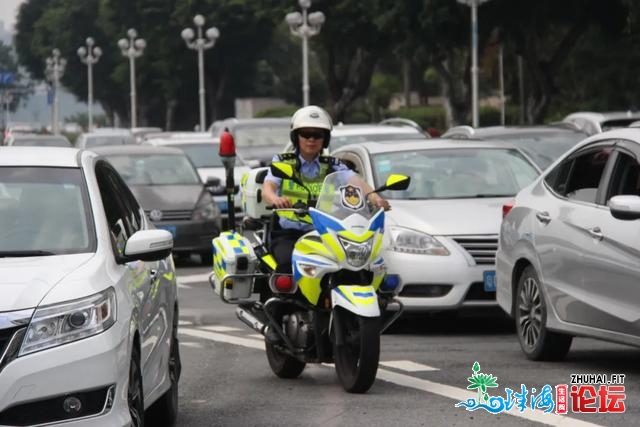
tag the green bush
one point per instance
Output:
(286, 111)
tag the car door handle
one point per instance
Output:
(596, 233)
(543, 217)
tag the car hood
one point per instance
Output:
(448, 217)
(26, 280)
(221, 174)
(262, 153)
(167, 197)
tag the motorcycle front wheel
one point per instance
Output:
(282, 364)
(356, 360)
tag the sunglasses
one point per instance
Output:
(308, 134)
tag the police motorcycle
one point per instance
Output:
(329, 309)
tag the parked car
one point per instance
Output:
(140, 132)
(543, 143)
(596, 122)
(342, 135)
(202, 150)
(89, 308)
(442, 232)
(104, 137)
(171, 193)
(18, 127)
(568, 260)
(37, 140)
(256, 139)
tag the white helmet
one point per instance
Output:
(311, 117)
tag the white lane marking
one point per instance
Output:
(191, 344)
(221, 328)
(185, 323)
(256, 336)
(215, 336)
(408, 366)
(403, 380)
(193, 278)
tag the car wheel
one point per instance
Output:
(164, 411)
(536, 341)
(135, 397)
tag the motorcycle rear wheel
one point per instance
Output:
(356, 360)
(282, 364)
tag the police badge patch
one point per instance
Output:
(352, 197)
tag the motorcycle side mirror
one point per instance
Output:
(394, 182)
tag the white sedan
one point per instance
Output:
(441, 234)
(89, 309)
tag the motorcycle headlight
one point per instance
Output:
(357, 253)
(63, 323)
(415, 242)
(206, 209)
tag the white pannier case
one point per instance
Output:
(251, 188)
(234, 263)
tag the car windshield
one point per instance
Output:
(98, 140)
(44, 211)
(455, 173)
(543, 149)
(204, 155)
(155, 169)
(41, 142)
(339, 141)
(341, 196)
(261, 136)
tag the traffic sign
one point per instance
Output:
(6, 78)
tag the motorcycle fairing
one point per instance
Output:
(360, 300)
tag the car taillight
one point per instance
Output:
(283, 283)
(506, 208)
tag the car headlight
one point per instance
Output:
(206, 209)
(357, 253)
(415, 242)
(63, 323)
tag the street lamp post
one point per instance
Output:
(89, 55)
(200, 44)
(132, 49)
(305, 26)
(54, 71)
(474, 55)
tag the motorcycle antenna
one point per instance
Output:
(227, 152)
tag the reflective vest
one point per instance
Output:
(295, 192)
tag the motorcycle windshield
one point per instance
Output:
(342, 195)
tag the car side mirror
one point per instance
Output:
(394, 182)
(214, 186)
(625, 207)
(147, 245)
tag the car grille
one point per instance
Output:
(481, 248)
(174, 215)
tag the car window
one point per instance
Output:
(578, 178)
(456, 173)
(202, 155)
(339, 141)
(121, 210)
(625, 178)
(155, 169)
(257, 136)
(96, 141)
(45, 209)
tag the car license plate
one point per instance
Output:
(170, 228)
(489, 281)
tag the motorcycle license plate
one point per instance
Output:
(170, 228)
(489, 278)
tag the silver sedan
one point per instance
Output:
(569, 251)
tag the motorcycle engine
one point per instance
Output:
(299, 328)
